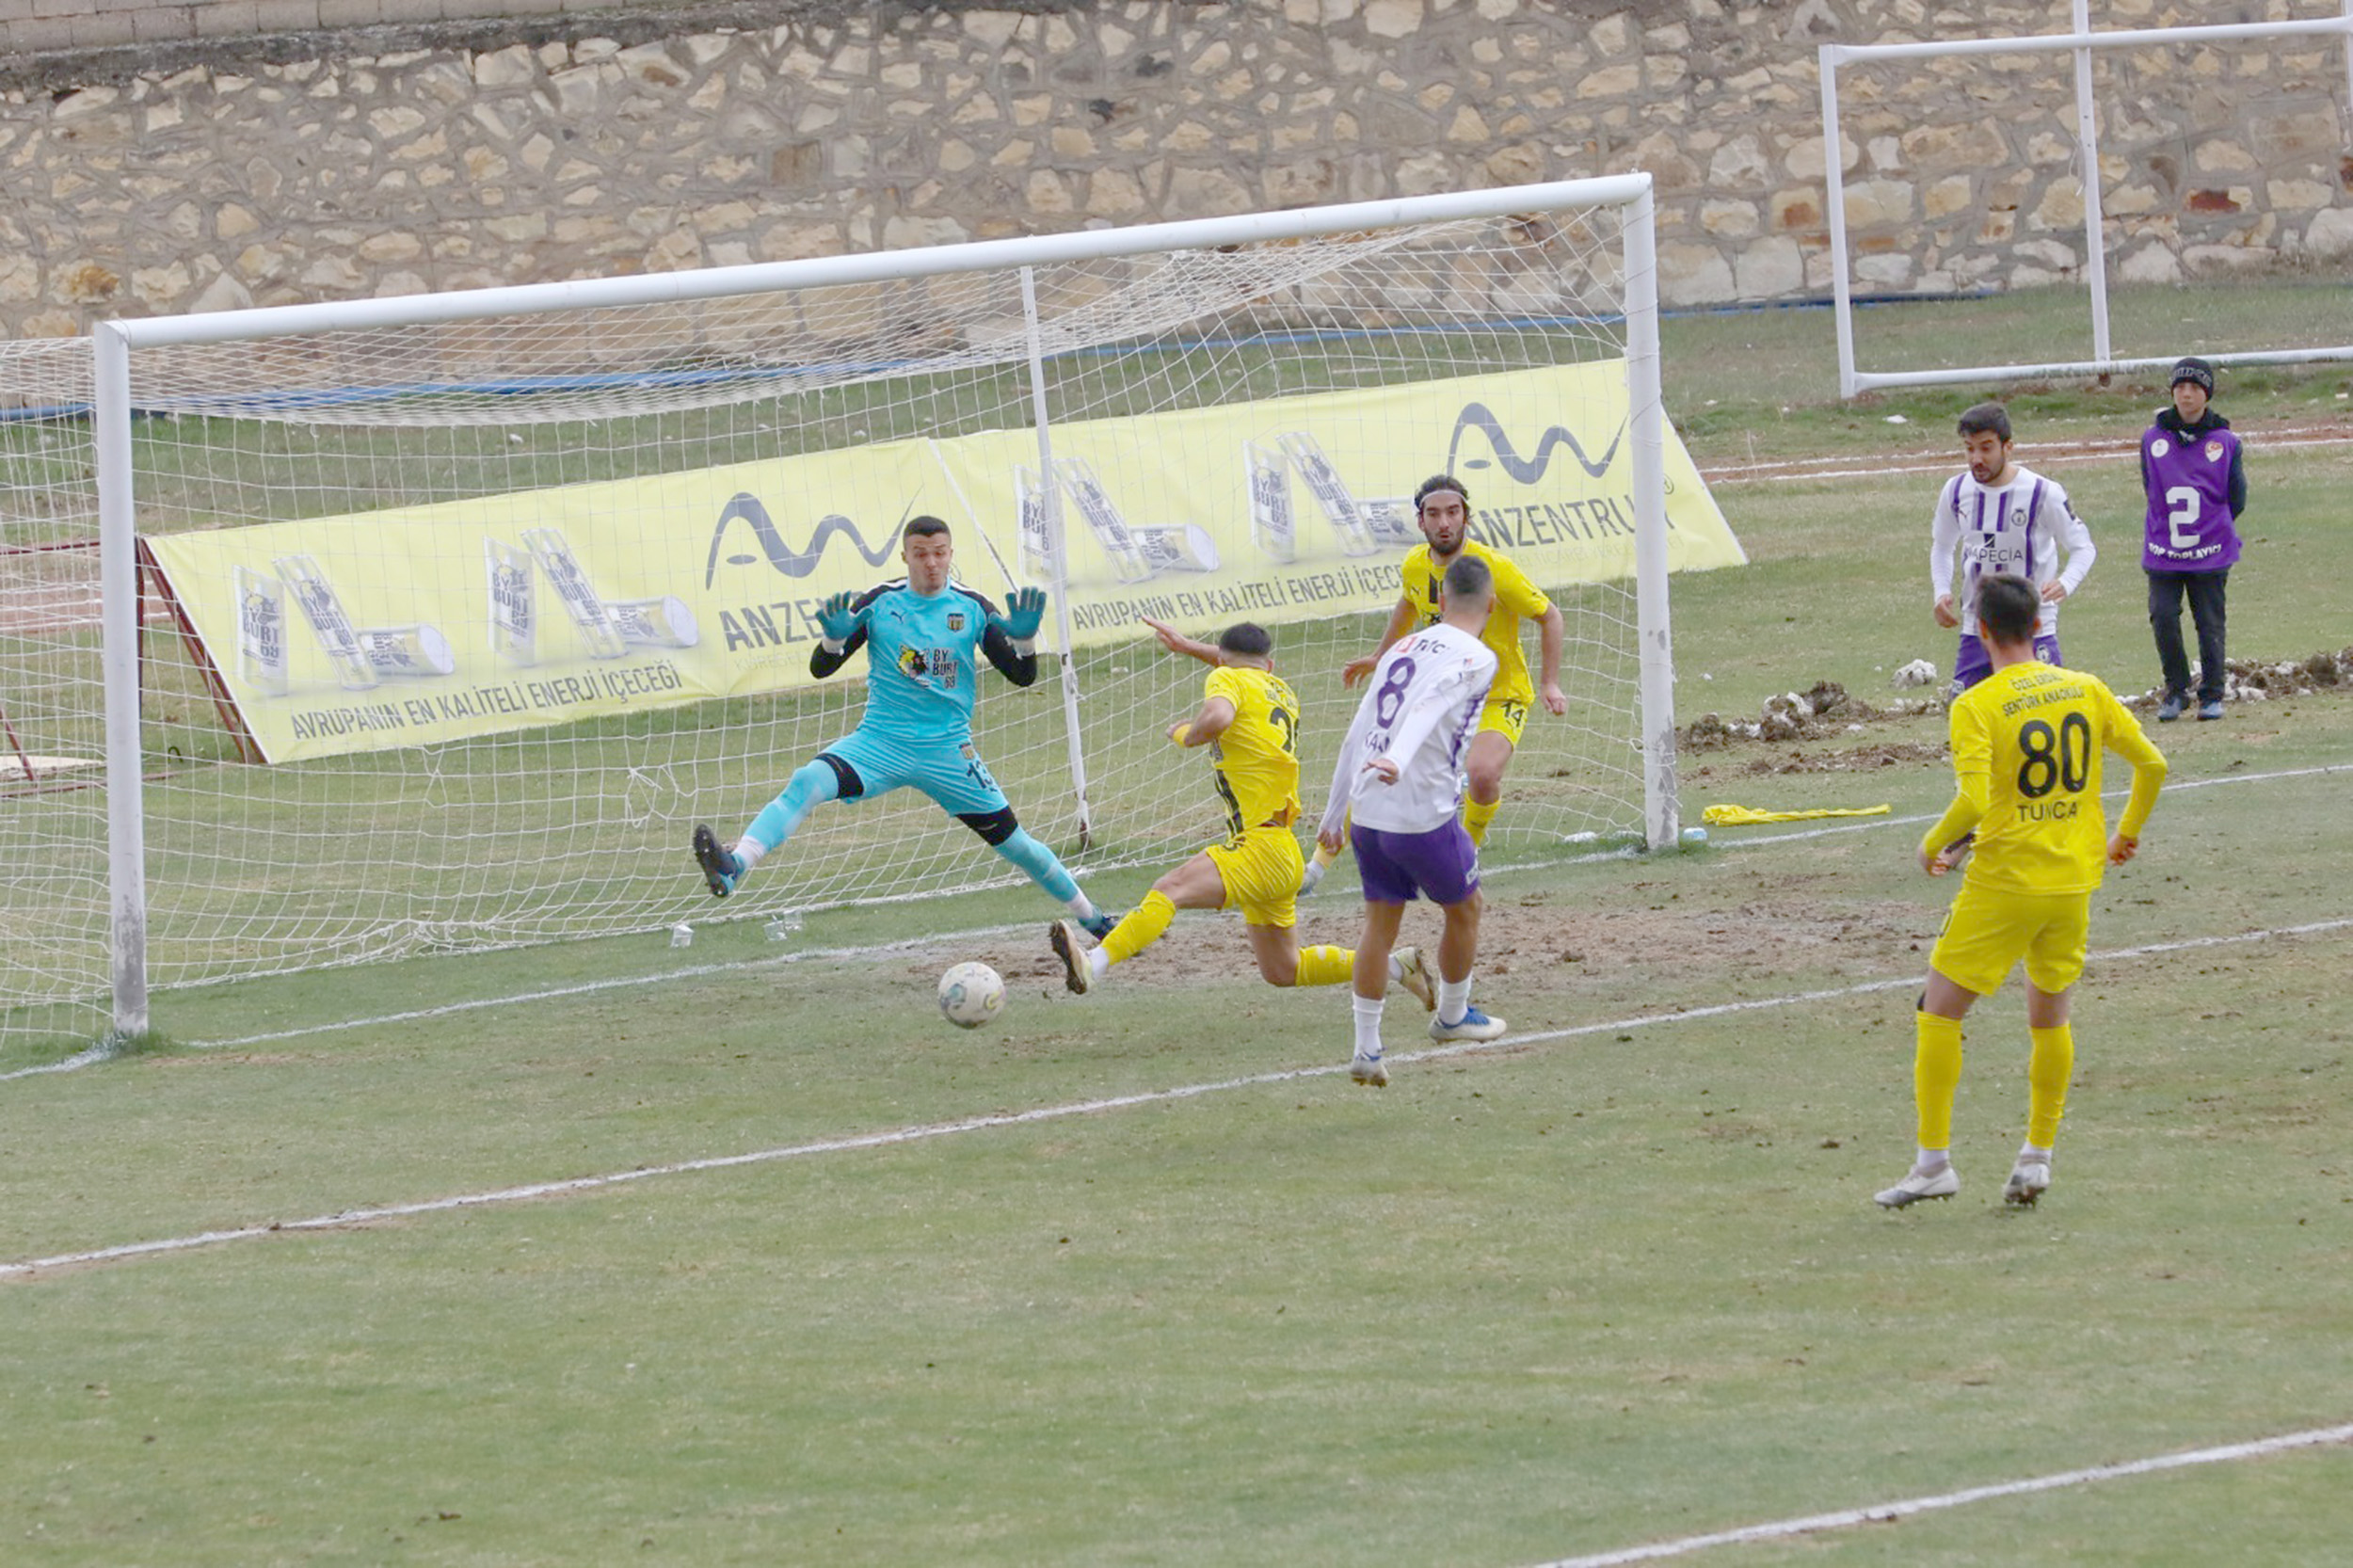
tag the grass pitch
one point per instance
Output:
(1140, 1278)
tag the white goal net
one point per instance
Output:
(476, 603)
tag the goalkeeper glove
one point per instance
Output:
(1025, 611)
(837, 620)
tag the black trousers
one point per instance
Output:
(2204, 590)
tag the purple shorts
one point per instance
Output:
(1441, 865)
(1973, 664)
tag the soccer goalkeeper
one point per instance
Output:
(2027, 744)
(921, 636)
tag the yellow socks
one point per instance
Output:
(1324, 965)
(1145, 924)
(1935, 1074)
(1476, 817)
(2047, 1073)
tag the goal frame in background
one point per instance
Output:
(115, 343)
(1852, 381)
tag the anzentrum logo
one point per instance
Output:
(792, 563)
(1528, 470)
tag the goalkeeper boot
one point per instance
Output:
(1099, 925)
(1413, 975)
(1474, 1025)
(2028, 1180)
(1368, 1071)
(1943, 1182)
(1063, 934)
(720, 865)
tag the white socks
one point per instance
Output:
(1453, 999)
(1368, 1025)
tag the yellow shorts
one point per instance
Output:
(1261, 870)
(1506, 719)
(1989, 929)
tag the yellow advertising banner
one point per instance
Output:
(415, 625)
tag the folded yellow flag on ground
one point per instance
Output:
(1744, 816)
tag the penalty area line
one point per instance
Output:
(350, 1218)
(1888, 1512)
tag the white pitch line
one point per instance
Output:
(1887, 1512)
(351, 1217)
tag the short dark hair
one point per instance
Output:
(1440, 482)
(1983, 417)
(1468, 576)
(923, 527)
(1246, 639)
(2008, 605)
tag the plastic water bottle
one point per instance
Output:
(781, 928)
(681, 936)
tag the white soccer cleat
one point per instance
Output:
(1369, 1071)
(1063, 934)
(2028, 1180)
(1413, 975)
(1943, 1182)
(1313, 874)
(1475, 1024)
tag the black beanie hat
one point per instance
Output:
(2193, 369)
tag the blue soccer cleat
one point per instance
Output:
(720, 865)
(1474, 1025)
(1099, 925)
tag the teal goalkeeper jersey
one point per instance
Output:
(923, 659)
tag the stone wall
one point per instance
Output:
(199, 176)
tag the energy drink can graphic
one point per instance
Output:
(316, 598)
(1180, 547)
(260, 630)
(662, 622)
(514, 625)
(564, 574)
(1392, 520)
(1031, 499)
(1323, 482)
(1273, 525)
(407, 652)
(1110, 529)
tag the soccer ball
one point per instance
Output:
(970, 995)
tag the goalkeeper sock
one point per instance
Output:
(1477, 814)
(1145, 924)
(1935, 1074)
(1368, 1025)
(1041, 866)
(1453, 999)
(1325, 965)
(811, 783)
(2047, 1072)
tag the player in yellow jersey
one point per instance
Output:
(2028, 743)
(1250, 719)
(1442, 505)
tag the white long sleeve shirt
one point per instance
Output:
(1417, 710)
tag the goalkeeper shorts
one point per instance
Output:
(1990, 929)
(949, 770)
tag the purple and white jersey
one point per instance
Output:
(2189, 526)
(2024, 526)
(1417, 710)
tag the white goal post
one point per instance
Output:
(2082, 42)
(483, 598)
